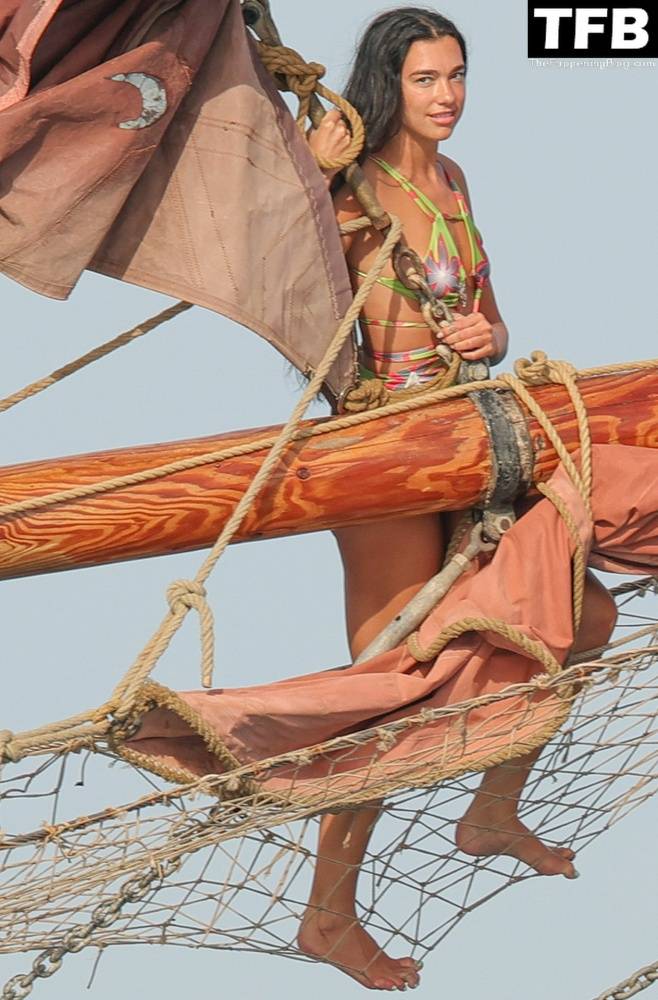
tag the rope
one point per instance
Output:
(182, 595)
(538, 371)
(579, 559)
(526, 374)
(127, 690)
(535, 650)
(86, 728)
(393, 407)
(373, 394)
(98, 352)
(355, 225)
(293, 73)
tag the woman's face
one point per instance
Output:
(433, 88)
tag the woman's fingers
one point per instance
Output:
(475, 353)
(331, 118)
(479, 355)
(331, 138)
(470, 336)
(471, 348)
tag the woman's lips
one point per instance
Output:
(446, 118)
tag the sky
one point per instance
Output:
(561, 164)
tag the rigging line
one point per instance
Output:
(328, 427)
(94, 355)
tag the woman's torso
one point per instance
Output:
(392, 322)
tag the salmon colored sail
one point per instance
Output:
(144, 139)
(532, 593)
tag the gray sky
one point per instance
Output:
(561, 163)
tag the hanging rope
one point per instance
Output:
(88, 728)
(94, 355)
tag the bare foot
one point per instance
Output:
(484, 834)
(341, 940)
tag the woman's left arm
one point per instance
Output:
(481, 334)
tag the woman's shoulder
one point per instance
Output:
(454, 171)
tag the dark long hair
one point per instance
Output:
(375, 87)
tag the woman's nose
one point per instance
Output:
(444, 90)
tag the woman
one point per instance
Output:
(408, 84)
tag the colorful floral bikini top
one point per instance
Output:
(445, 270)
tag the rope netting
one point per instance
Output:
(238, 869)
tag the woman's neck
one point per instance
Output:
(411, 155)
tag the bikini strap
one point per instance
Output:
(425, 204)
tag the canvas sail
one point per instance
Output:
(526, 582)
(147, 142)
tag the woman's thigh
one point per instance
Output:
(386, 563)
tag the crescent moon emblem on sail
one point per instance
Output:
(154, 99)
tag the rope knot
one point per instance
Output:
(7, 751)
(541, 369)
(305, 80)
(234, 785)
(183, 594)
(292, 72)
(367, 396)
(535, 371)
(385, 740)
(301, 76)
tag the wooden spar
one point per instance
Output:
(434, 458)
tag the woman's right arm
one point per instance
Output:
(329, 141)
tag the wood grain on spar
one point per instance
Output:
(433, 458)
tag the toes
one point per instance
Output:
(566, 868)
(566, 852)
(562, 867)
(407, 972)
(385, 984)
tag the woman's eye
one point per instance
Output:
(459, 75)
(424, 79)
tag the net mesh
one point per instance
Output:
(243, 866)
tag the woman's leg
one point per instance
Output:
(491, 824)
(385, 565)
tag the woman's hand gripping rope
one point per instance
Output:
(471, 336)
(330, 141)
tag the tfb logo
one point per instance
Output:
(590, 30)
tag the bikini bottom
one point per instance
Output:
(415, 374)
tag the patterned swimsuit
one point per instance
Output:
(446, 275)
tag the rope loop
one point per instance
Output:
(541, 369)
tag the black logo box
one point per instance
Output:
(599, 43)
